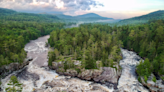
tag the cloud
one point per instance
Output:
(49, 5)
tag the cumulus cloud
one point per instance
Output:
(81, 4)
(49, 5)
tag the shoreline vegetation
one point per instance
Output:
(90, 46)
(16, 34)
(90, 43)
(85, 45)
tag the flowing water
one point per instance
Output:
(38, 78)
(128, 80)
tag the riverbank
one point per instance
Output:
(38, 77)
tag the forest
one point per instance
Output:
(94, 42)
(156, 15)
(87, 43)
(11, 15)
(14, 36)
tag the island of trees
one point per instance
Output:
(88, 44)
(95, 42)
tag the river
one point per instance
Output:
(38, 77)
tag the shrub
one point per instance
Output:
(14, 85)
(139, 79)
(145, 78)
(154, 79)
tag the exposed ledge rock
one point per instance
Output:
(103, 75)
(7, 69)
(157, 86)
(71, 85)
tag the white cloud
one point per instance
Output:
(118, 9)
(121, 9)
(49, 5)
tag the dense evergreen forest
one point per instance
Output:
(148, 41)
(11, 15)
(87, 43)
(157, 15)
(94, 42)
(17, 29)
(14, 35)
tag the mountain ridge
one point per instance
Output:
(88, 16)
(49, 17)
(11, 15)
(8, 14)
(156, 15)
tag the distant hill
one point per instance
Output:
(4, 11)
(11, 15)
(144, 18)
(85, 17)
(62, 16)
(91, 15)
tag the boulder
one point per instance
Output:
(71, 72)
(109, 74)
(157, 86)
(7, 69)
(104, 75)
(89, 74)
(86, 74)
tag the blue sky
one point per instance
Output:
(118, 9)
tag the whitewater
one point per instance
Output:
(37, 77)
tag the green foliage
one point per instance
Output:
(143, 19)
(51, 57)
(154, 79)
(14, 85)
(155, 65)
(88, 43)
(10, 15)
(148, 41)
(14, 36)
(78, 70)
(68, 64)
(93, 42)
(145, 78)
(6, 12)
(162, 78)
(139, 78)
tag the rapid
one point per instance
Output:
(37, 77)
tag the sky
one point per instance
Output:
(117, 9)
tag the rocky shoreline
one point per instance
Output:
(107, 76)
(153, 86)
(37, 77)
(8, 69)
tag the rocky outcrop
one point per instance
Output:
(7, 69)
(154, 86)
(103, 75)
(89, 74)
(71, 85)
(109, 74)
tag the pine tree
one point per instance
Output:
(14, 84)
